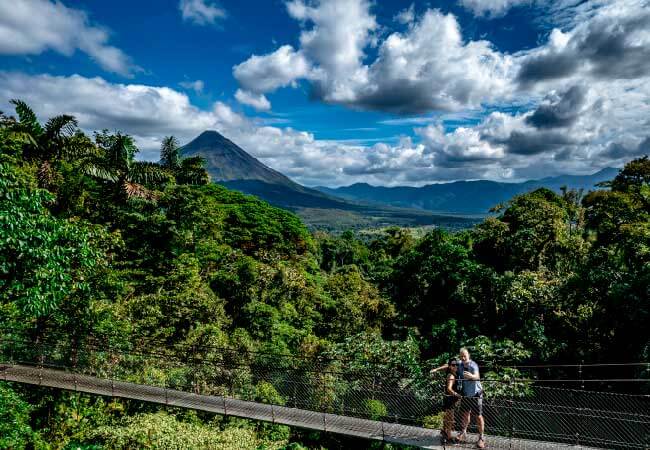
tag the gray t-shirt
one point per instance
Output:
(470, 387)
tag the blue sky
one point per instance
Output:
(341, 91)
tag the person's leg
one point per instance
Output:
(480, 422)
(464, 423)
(448, 423)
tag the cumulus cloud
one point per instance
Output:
(627, 150)
(261, 74)
(257, 101)
(612, 44)
(560, 110)
(201, 12)
(427, 67)
(151, 112)
(31, 27)
(430, 67)
(491, 8)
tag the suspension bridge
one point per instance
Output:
(334, 396)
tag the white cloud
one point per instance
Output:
(611, 42)
(196, 86)
(492, 8)
(201, 12)
(31, 27)
(334, 36)
(428, 67)
(260, 74)
(600, 127)
(259, 102)
(149, 113)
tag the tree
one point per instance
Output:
(58, 139)
(117, 166)
(43, 259)
(530, 232)
(617, 276)
(186, 170)
(15, 431)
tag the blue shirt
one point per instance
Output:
(470, 388)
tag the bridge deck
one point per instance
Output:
(350, 426)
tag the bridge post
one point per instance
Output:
(511, 421)
(579, 408)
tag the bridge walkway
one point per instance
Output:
(282, 415)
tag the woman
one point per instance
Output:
(452, 397)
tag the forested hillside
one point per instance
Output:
(93, 241)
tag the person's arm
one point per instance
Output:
(450, 386)
(438, 369)
(472, 376)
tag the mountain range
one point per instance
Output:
(452, 205)
(463, 197)
(231, 166)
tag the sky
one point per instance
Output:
(335, 92)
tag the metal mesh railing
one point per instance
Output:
(564, 412)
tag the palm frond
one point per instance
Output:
(148, 172)
(80, 146)
(27, 117)
(60, 126)
(136, 190)
(46, 175)
(192, 171)
(92, 168)
(195, 177)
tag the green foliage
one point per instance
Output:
(43, 260)
(357, 300)
(527, 235)
(92, 240)
(161, 430)
(434, 421)
(375, 409)
(15, 430)
(498, 353)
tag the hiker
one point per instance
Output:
(451, 399)
(472, 401)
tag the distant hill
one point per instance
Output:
(231, 166)
(463, 197)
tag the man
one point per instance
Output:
(472, 401)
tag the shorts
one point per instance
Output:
(473, 404)
(450, 402)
